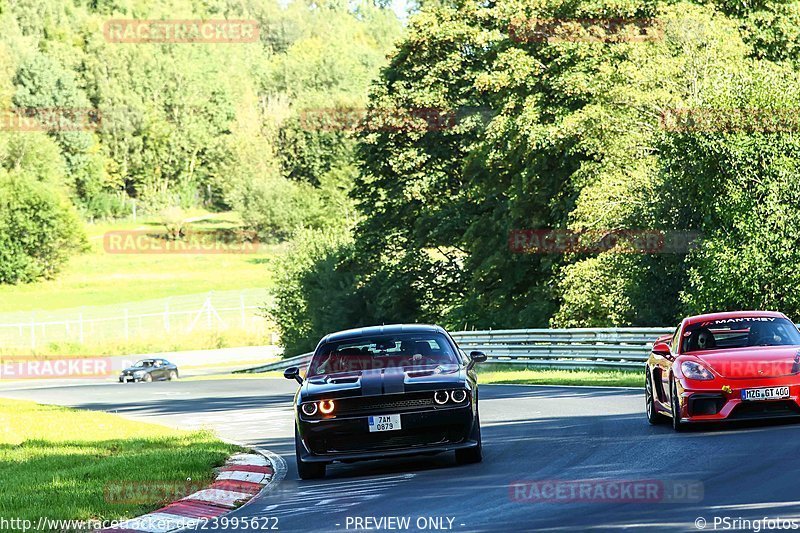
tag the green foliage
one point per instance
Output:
(774, 31)
(308, 151)
(313, 292)
(39, 230)
(171, 114)
(43, 83)
(320, 288)
(275, 207)
(574, 135)
(184, 125)
(750, 217)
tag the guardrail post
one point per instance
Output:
(244, 319)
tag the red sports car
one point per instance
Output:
(725, 366)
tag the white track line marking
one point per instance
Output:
(225, 498)
(241, 475)
(248, 459)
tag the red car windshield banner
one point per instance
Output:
(734, 320)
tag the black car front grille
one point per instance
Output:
(385, 441)
(705, 404)
(765, 409)
(394, 403)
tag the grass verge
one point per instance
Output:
(66, 464)
(496, 374)
(237, 375)
(150, 344)
(101, 278)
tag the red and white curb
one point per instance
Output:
(241, 479)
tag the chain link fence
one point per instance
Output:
(200, 313)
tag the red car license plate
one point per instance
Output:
(768, 393)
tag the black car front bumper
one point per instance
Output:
(422, 432)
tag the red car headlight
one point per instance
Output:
(694, 370)
(326, 407)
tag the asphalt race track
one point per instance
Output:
(529, 434)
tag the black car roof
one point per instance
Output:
(381, 330)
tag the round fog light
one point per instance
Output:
(458, 396)
(309, 409)
(326, 407)
(440, 397)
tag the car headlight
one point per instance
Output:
(139, 373)
(309, 409)
(459, 395)
(694, 370)
(326, 407)
(440, 397)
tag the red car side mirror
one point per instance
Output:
(661, 348)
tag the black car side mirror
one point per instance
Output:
(293, 372)
(475, 358)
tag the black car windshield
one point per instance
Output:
(739, 333)
(406, 350)
(144, 362)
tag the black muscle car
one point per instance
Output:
(386, 391)
(150, 370)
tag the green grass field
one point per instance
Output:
(237, 375)
(603, 378)
(68, 464)
(100, 278)
(202, 340)
(496, 374)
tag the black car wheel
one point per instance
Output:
(306, 470)
(147, 378)
(653, 416)
(675, 403)
(471, 455)
(173, 375)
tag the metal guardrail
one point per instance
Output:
(578, 348)
(299, 360)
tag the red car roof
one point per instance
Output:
(733, 314)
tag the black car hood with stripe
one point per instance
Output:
(380, 382)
